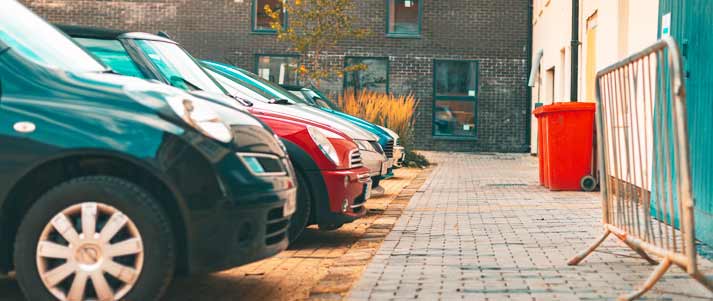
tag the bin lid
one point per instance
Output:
(564, 107)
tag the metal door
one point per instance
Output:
(690, 24)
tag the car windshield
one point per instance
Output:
(272, 88)
(320, 99)
(178, 67)
(36, 40)
(113, 54)
(237, 88)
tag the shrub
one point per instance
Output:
(394, 112)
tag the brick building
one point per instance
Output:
(466, 61)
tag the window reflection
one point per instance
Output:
(283, 70)
(404, 17)
(262, 20)
(454, 118)
(374, 78)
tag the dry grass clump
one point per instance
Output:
(388, 110)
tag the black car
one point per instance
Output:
(109, 185)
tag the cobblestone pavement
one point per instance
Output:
(320, 264)
(481, 228)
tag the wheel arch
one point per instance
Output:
(44, 175)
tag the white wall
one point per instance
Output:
(624, 27)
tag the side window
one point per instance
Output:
(113, 54)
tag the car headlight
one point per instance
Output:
(320, 138)
(201, 117)
(262, 164)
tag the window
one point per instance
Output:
(113, 54)
(455, 92)
(404, 18)
(178, 67)
(261, 22)
(374, 78)
(34, 39)
(279, 69)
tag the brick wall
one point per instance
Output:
(493, 32)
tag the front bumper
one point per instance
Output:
(377, 163)
(235, 235)
(399, 156)
(342, 197)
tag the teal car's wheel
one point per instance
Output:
(95, 238)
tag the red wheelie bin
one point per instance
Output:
(565, 142)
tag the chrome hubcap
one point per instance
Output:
(90, 251)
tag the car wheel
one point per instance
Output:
(300, 219)
(95, 238)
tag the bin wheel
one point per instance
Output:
(588, 183)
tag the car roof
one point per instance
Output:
(76, 31)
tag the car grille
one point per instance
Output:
(355, 159)
(276, 228)
(389, 149)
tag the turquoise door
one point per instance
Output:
(690, 25)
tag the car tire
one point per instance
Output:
(300, 219)
(130, 230)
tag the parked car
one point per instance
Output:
(399, 151)
(388, 139)
(374, 156)
(333, 184)
(110, 185)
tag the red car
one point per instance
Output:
(333, 184)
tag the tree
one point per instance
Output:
(316, 27)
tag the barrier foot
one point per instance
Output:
(641, 252)
(655, 276)
(703, 280)
(579, 257)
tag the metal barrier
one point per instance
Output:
(645, 179)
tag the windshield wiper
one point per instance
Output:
(280, 101)
(243, 101)
(109, 71)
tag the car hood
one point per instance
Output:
(383, 135)
(319, 116)
(226, 107)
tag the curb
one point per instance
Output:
(347, 269)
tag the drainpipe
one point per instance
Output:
(528, 63)
(574, 72)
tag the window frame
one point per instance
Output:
(473, 99)
(253, 22)
(390, 34)
(256, 68)
(388, 70)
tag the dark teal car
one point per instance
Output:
(109, 185)
(385, 141)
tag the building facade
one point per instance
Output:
(608, 31)
(466, 61)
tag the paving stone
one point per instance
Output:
(481, 228)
